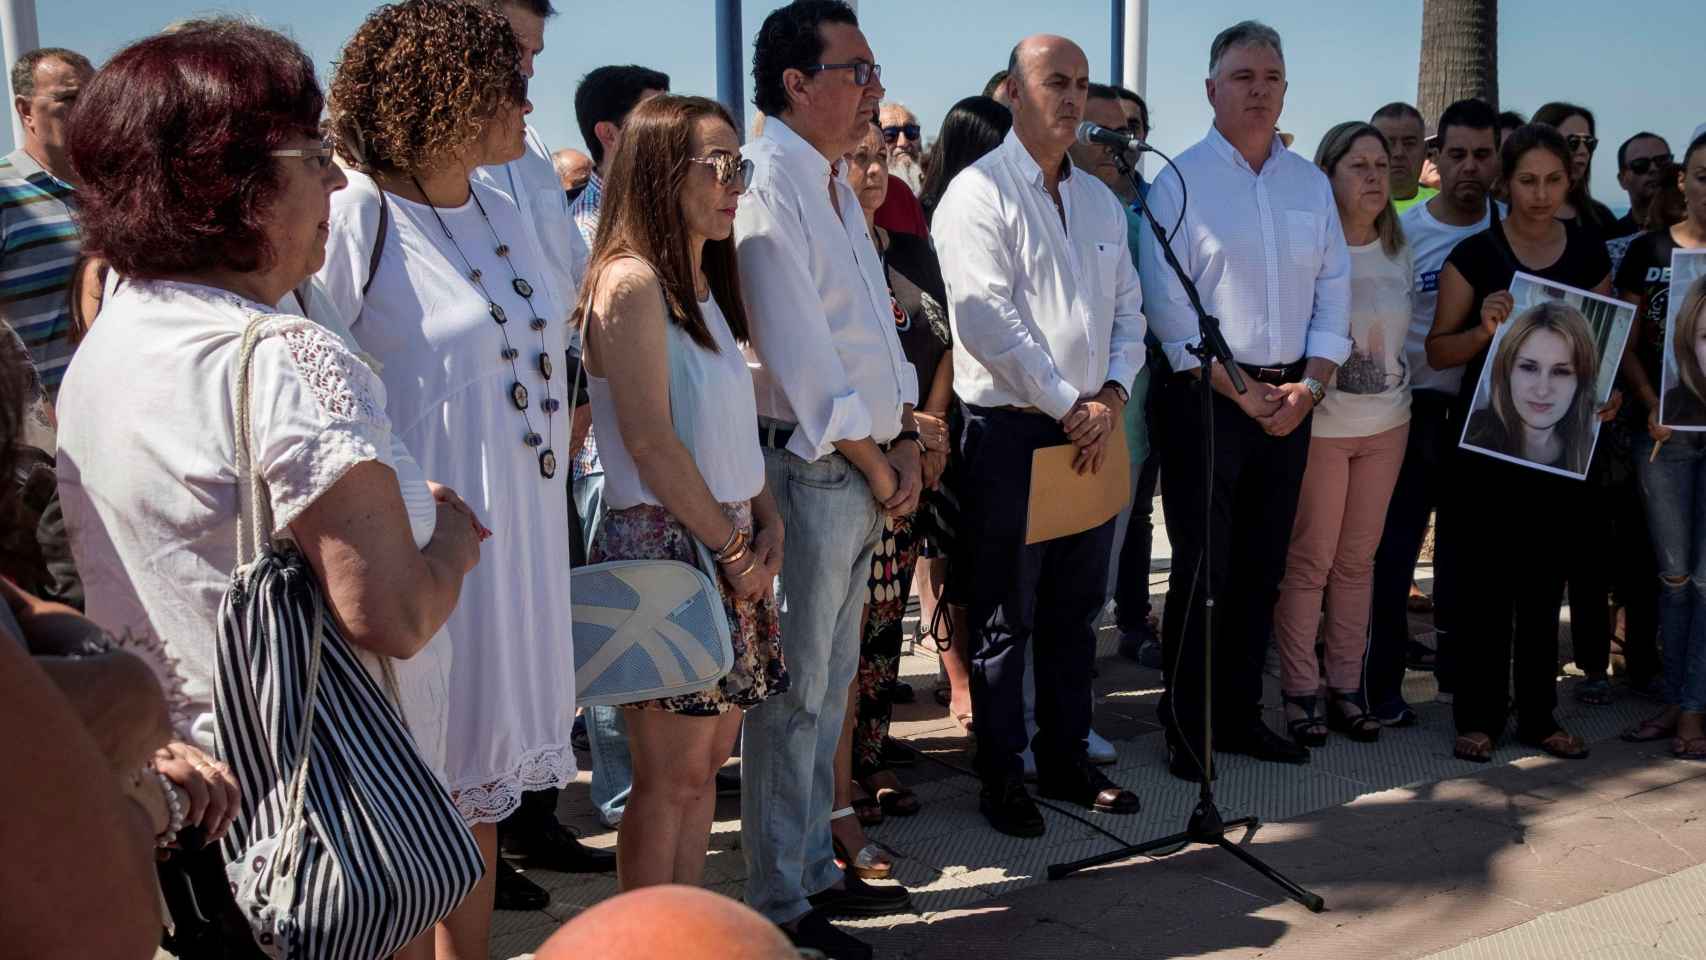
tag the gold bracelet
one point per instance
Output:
(739, 550)
(734, 534)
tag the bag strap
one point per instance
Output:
(379, 243)
(254, 539)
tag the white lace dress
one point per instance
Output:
(147, 462)
(511, 684)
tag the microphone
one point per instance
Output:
(1098, 135)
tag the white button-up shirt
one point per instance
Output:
(1265, 249)
(1044, 312)
(819, 314)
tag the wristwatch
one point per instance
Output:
(1119, 388)
(1317, 389)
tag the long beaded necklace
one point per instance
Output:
(517, 391)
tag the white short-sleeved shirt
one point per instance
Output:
(148, 472)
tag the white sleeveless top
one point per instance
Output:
(712, 402)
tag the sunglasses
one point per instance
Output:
(1577, 141)
(863, 73)
(1641, 165)
(321, 155)
(891, 134)
(728, 167)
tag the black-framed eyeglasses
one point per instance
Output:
(321, 155)
(729, 168)
(1640, 166)
(1578, 141)
(891, 134)
(863, 73)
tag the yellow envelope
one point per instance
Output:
(1063, 503)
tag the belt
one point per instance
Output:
(775, 435)
(1274, 376)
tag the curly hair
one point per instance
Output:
(419, 81)
(171, 142)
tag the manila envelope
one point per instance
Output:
(1063, 503)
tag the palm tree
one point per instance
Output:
(1460, 54)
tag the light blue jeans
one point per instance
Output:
(788, 757)
(606, 734)
(1675, 488)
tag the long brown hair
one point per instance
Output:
(1576, 425)
(640, 216)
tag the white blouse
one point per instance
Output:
(147, 462)
(712, 402)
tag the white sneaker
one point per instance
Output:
(1102, 753)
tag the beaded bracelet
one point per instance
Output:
(175, 808)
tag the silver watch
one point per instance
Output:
(1317, 389)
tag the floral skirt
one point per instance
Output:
(649, 532)
(879, 648)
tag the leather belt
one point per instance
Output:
(1274, 376)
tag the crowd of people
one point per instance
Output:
(818, 364)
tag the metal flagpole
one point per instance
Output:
(1134, 47)
(18, 36)
(730, 88)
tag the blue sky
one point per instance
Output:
(1345, 58)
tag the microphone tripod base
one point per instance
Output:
(1206, 827)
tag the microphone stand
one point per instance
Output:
(1206, 825)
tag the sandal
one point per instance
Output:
(1564, 746)
(1649, 730)
(868, 809)
(1417, 601)
(1473, 747)
(1694, 748)
(1309, 730)
(895, 801)
(1594, 691)
(870, 864)
(1360, 725)
(1398, 714)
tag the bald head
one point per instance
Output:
(573, 167)
(682, 923)
(1048, 79)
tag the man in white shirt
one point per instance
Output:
(1468, 163)
(835, 397)
(532, 836)
(1048, 333)
(1261, 240)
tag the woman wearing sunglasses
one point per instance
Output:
(1577, 125)
(677, 425)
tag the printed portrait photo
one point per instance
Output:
(1682, 401)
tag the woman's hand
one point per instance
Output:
(1613, 404)
(1496, 309)
(767, 547)
(933, 430)
(207, 784)
(449, 497)
(1658, 431)
(748, 578)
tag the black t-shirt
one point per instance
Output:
(1487, 261)
(1623, 228)
(920, 301)
(1646, 272)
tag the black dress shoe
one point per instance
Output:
(860, 899)
(1009, 809)
(516, 892)
(813, 932)
(555, 848)
(1086, 786)
(1256, 740)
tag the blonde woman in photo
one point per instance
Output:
(1541, 407)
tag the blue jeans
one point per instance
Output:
(1675, 488)
(788, 757)
(606, 734)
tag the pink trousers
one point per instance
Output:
(1340, 515)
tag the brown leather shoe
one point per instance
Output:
(1086, 786)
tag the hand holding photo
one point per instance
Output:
(1683, 400)
(1550, 368)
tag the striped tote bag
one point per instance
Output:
(346, 844)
